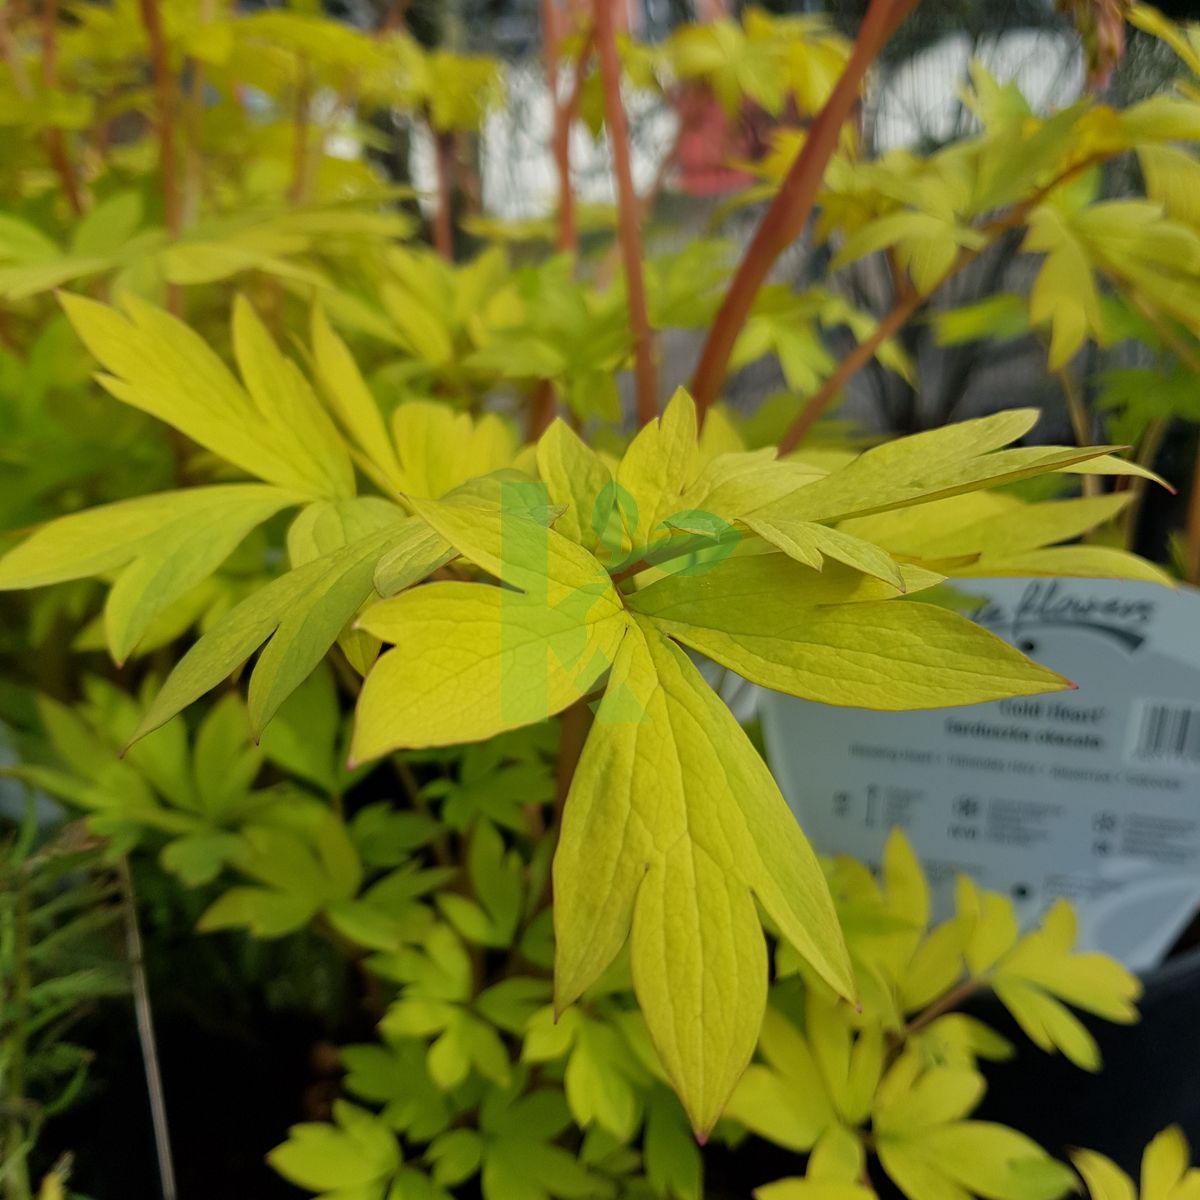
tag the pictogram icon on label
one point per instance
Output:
(1092, 794)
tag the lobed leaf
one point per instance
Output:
(826, 637)
(160, 546)
(474, 660)
(301, 613)
(273, 427)
(672, 817)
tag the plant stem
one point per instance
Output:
(576, 721)
(541, 409)
(789, 211)
(1076, 409)
(56, 139)
(145, 1027)
(466, 176)
(628, 572)
(910, 303)
(1155, 435)
(298, 191)
(565, 115)
(1147, 454)
(568, 238)
(608, 265)
(443, 217)
(418, 803)
(574, 725)
(395, 18)
(1080, 423)
(901, 313)
(193, 167)
(645, 373)
(951, 1000)
(164, 103)
(575, 98)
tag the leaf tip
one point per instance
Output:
(136, 736)
(351, 763)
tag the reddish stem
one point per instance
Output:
(565, 116)
(789, 212)
(576, 96)
(395, 18)
(910, 301)
(164, 103)
(901, 313)
(568, 237)
(953, 999)
(56, 139)
(541, 410)
(443, 217)
(627, 207)
(646, 202)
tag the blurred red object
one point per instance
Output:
(709, 141)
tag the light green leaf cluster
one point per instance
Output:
(768, 59)
(555, 1029)
(196, 792)
(794, 326)
(607, 570)
(686, 831)
(680, 543)
(902, 971)
(904, 1065)
(1166, 1172)
(270, 425)
(449, 1088)
(933, 213)
(116, 241)
(357, 1156)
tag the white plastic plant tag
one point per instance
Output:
(1092, 794)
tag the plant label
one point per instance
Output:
(1092, 794)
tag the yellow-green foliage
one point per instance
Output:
(1166, 1172)
(414, 471)
(673, 823)
(899, 1077)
